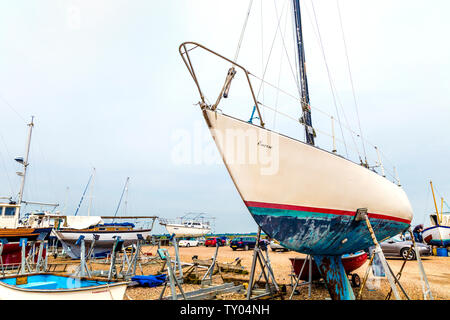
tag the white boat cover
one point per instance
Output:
(83, 222)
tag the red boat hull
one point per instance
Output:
(350, 263)
(12, 254)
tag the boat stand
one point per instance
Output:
(297, 278)
(207, 277)
(134, 261)
(271, 286)
(425, 285)
(171, 276)
(118, 244)
(41, 264)
(24, 266)
(1, 259)
(90, 254)
(361, 215)
(177, 258)
(177, 263)
(393, 279)
(82, 270)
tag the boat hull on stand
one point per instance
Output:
(437, 236)
(102, 246)
(182, 231)
(303, 196)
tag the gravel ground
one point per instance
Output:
(436, 268)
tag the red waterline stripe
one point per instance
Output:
(319, 210)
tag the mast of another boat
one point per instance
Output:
(435, 205)
(25, 165)
(90, 194)
(306, 108)
(125, 188)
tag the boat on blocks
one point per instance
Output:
(190, 225)
(304, 196)
(49, 286)
(99, 234)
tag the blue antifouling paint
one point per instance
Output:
(335, 277)
(150, 281)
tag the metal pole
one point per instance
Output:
(177, 258)
(365, 277)
(90, 192)
(298, 277)
(425, 285)
(252, 272)
(396, 177)
(23, 243)
(381, 164)
(1, 259)
(25, 164)
(82, 259)
(333, 135)
(380, 254)
(434, 199)
(310, 276)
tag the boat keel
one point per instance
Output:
(335, 277)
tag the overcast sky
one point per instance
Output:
(109, 90)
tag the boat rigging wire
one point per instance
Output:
(271, 48)
(12, 108)
(84, 192)
(125, 188)
(351, 78)
(5, 167)
(238, 49)
(248, 74)
(279, 75)
(329, 74)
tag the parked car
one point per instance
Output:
(276, 246)
(201, 241)
(211, 242)
(244, 243)
(395, 247)
(188, 243)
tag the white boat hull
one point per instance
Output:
(303, 196)
(437, 235)
(102, 246)
(110, 292)
(182, 231)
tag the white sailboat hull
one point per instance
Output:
(182, 231)
(303, 196)
(102, 246)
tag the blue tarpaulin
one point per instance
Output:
(150, 281)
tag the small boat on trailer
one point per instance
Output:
(351, 262)
(49, 286)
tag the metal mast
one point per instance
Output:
(90, 194)
(306, 109)
(25, 163)
(125, 188)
